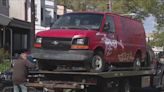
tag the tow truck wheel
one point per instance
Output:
(97, 62)
(137, 63)
(124, 86)
(162, 83)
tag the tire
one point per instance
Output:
(137, 63)
(162, 83)
(109, 86)
(124, 86)
(97, 62)
(147, 60)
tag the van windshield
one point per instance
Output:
(85, 21)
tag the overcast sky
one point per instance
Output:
(149, 24)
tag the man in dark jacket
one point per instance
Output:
(19, 72)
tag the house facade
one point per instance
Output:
(14, 31)
(45, 12)
(4, 11)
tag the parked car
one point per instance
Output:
(161, 57)
(93, 40)
(151, 60)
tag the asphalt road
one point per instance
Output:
(148, 90)
(138, 90)
(134, 90)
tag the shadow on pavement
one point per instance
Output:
(146, 90)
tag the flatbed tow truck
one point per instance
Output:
(73, 42)
(80, 81)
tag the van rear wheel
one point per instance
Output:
(97, 62)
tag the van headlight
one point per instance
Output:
(80, 43)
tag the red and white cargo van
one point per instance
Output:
(93, 40)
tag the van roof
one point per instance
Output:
(108, 13)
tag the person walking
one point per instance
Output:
(19, 75)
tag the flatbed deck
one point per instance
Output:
(110, 74)
(91, 81)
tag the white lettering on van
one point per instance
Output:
(100, 34)
(125, 57)
(111, 45)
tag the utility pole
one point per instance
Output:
(110, 5)
(32, 33)
(65, 6)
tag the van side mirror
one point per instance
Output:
(107, 26)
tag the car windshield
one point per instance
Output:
(85, 21)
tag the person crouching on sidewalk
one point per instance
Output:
(19, 75)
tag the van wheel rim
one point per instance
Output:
(97, 62)
(138, 62)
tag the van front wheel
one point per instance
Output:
(97, 62)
